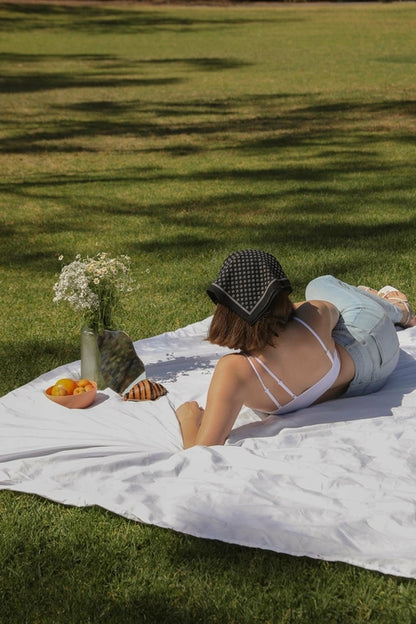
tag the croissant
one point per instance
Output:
(145, 390)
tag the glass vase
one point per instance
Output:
(91, 357)
(110, 359)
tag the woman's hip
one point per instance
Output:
(375, 354)
(365, 330)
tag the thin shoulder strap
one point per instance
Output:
(313, 332)
(266, 390)
(271, 373)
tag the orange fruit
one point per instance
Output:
(79, 390)
(58, 391)
(82, 382)
(68, 384)
(89, 387)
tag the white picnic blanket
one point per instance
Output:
(335, 481)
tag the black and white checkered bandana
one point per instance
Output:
(247, 283)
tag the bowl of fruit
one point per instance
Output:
(72, 393)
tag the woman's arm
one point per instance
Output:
(224, 402)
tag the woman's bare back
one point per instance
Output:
(298, 359)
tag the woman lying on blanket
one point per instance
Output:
(341, 341)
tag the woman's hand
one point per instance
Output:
(189, 416)
(190, 411)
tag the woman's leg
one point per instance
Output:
(365, 329)
(342, 295)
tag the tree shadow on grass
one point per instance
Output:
(95, 71)
(270, 206)
(25, 83)
(294, 237)
(300, 126)
(227, 221)
(100, 19)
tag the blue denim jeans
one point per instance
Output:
(366, 329)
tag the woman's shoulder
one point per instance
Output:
(231, 360)
(232, 375)
(233, 364)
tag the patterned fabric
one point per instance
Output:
(248, 282)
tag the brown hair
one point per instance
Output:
(228, 329)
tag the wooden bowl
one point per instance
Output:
(74, 401)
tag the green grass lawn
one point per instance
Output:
(177, 135)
